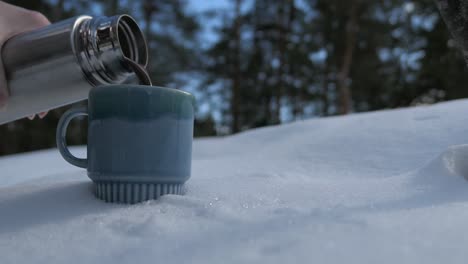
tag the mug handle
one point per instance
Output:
(62, 133)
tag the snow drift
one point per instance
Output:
(386, 187)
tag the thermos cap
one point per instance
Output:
(105, 45)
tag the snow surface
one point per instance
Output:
(381, 187)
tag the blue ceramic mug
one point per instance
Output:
(139, 141)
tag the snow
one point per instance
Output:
(381, 187)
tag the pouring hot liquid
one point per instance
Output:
(58, 64)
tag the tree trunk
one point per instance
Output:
(58, 10)
(236, 78)
(285, 18)
(114, 9)
(325, 101)
(344, 91)
(327, 38)
(455, 16)
(148, 14)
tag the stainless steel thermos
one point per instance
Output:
(58, 64)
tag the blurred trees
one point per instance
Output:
(277, 61)
(301, 59)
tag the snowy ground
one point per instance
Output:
(382, 187)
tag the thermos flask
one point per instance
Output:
(58, 64)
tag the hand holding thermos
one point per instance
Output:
(15, 20)
(57, 64)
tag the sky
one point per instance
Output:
(200, 6)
